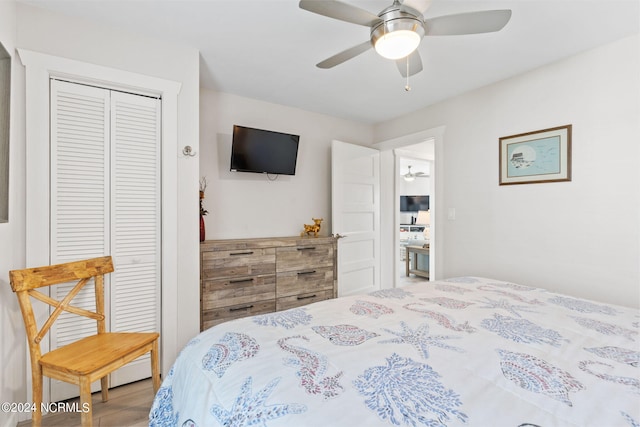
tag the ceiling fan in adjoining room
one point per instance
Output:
(410, 176)
(396, 32)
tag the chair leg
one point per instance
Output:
(36, 387)
(104, 384)
(86, 416)
(155, 366)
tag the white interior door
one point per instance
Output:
(355, 196)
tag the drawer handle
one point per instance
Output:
(246, 307)
(241, 253)
(306, 272)
(307, 248)
(240, 281)
(307, 297)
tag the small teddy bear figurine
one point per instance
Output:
(315, 228)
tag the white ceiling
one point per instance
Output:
(267, 49)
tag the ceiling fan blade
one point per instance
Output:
(342, 11)
(419, 5)
(486, 21)
(345, 55)
(415, 64)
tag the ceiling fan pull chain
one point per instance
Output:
(407, 88)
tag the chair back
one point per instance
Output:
(25, 282)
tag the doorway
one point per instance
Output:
(426, 145)
(413, 189)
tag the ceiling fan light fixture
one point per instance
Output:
(398, 33)
(397, 44)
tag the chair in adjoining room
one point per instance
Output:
(88, 359)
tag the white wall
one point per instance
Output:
(42, 31)
(579, 237)
(12, 360)
(249, 205)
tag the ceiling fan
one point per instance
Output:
(398, 29)
(410, 176)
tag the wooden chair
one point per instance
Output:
(89, 359)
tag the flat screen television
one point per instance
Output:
(414, 203)
(263, 151)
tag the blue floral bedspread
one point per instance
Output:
(461, 352)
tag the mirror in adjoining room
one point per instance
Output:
(5, 100)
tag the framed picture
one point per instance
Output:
(536, 157)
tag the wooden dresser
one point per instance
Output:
(244, 277)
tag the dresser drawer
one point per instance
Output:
(293, 301)
(237, 290)
(249, 262)
(304, 281)
(246, 277)
(304, 256)
(223, 314)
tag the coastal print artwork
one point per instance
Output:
(406, 392)
(162, 413)
(620, 355)
(233, 347)
(345, 335)
(540, 156)
(311, 367)
(522, 330)
(420, 339)
(252, 409)
(583, 306)
(369, 309)
(538, 376)
(286, 319)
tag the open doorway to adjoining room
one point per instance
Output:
(414, 194)
(426, 145)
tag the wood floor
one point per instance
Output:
(128, 406)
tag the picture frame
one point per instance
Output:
(536, 157)
(5, 102)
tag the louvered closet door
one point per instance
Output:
(80, 208)
(135, 222)
(105, 200)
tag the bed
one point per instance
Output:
(461, 352)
